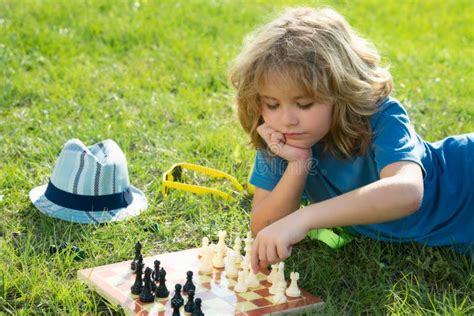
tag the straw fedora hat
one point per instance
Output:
(89, 185)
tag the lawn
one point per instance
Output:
(152, 75)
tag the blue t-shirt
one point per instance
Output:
(446, 215)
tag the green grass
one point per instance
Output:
(152, 76)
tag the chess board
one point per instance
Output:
(113, 282)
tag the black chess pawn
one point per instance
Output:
(156, 271)
(147, 296)
(189, 282)
(197, 308)
(177, 300)
(162, 290)
(138, 250)
(137, 287)
(189, 307)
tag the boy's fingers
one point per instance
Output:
(263, 264)
(254, 257)
(283, 251)
(271, 254)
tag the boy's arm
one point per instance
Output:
(270, 206)
(397, 194)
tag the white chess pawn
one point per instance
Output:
(280, 297)
(206, 260)
(221, 243)
(293, 290)
(251, 280)
(241, 285)
(230, 267)
(218, 260)
(273, 273)
(205, 244)
(237, 247)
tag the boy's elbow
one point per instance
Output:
(414, 198)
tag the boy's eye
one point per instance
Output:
(305, 106)
(271, 106)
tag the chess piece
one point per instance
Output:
(197, 308)
(273, 272)
(241, 285)
(162, 290)
(205, 244)
(293, 290)
(252, 281)
(206, 260)
(189, 282)
(237, 247)
(221, 243)
(276, 278)
(137, 287)
(218, 260)
(280, 297)
(248, 251)
(231, 268)
(177, 301)
(138, 249)
(189, 307)
(146, 295)
(281, 271)
(156, 271)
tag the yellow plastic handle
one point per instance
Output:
(169, 181)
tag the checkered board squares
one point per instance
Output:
(113, 282)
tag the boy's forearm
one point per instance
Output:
(385, 200)
(284, 198)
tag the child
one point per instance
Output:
(315, 101)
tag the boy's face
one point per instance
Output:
(287, 108)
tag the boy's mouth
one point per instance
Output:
(293, 135)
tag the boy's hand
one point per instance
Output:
(274, 243)
(277, 144)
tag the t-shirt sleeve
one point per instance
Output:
(394, 137)
(267, 170)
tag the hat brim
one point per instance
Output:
(51, 209)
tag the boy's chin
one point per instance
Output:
(299, 144)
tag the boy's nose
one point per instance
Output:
(289, 118)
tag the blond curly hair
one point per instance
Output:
(320, 51)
